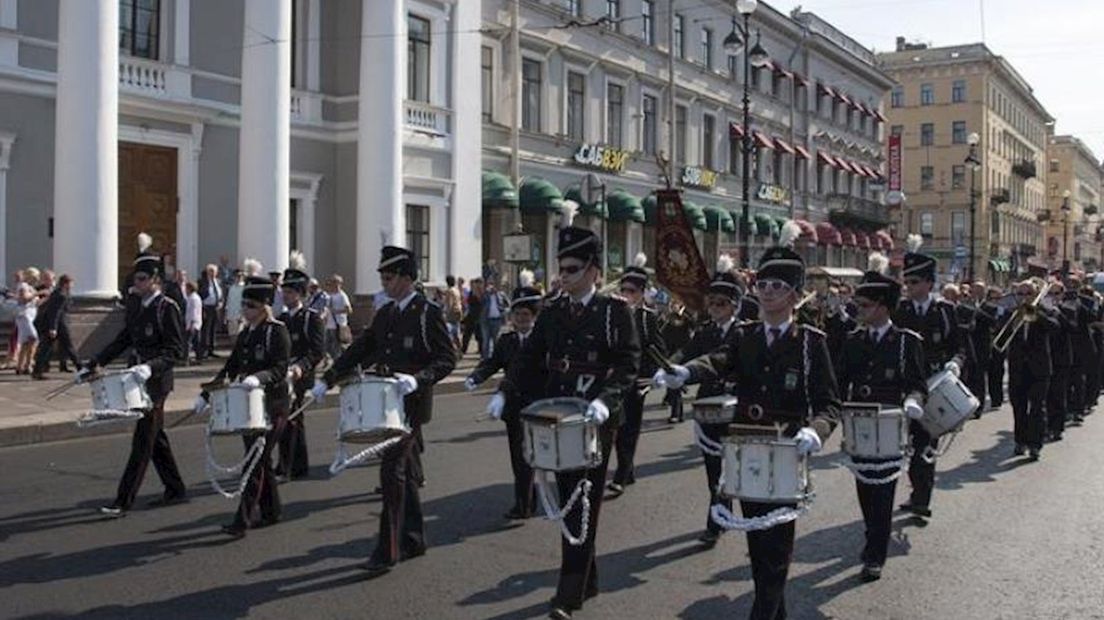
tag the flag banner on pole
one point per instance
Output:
(679, 264)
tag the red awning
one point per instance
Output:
(825, 90)
(842, 97)
(764, 140)
(779, 70)
(847, 237)
(865, 110)
(801, 78)
(862, 241)
(827, 234)
(875, 242)
(827, 159)
(880, 116)
(843, 165)
(872, 173)
(735, 131)
(802, 152)
(785, 146)
(808, 232)
(859, 170)
(887, 241)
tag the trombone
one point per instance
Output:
(1026, 313)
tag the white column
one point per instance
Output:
(6, 141)
(380, 212)
(182, 29)
(466, 229)
(86, 156)
(263, 208)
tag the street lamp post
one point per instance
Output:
(1065, 232)
(739, 40)
(974, 162)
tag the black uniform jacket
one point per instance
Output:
(884, 372)
(505, 356)
(412, 340)
(261, 351)
(649, 332)
(792, 382)
(594, 355)
(707, 338)
(1030, 347)
(153, 334)
(52, 313)
(943, 340)
(307, 334)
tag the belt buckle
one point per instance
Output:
(865, 391)
(564, 364)
(755, 412)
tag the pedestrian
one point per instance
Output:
(278, 299)
(495, 304)
(454, 309)
(318, 299)
(26, 299)
(1030, 368)
(338, 333)
(52, 325)
(308, 348)
(193, 320)
(470, 324)
(213, 295)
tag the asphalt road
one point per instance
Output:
(1008, 539)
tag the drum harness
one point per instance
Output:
(343, 461)
(900, 464)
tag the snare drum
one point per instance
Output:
(715, 410)
(119, 390)
(237, 410)
(764, 468)
(558, 437)
(371, 410)
(949, 404)
(874, 432)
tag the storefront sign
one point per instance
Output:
(774, 193)
(693, 176)
(895, 196)
(517, 248)
(601, 157)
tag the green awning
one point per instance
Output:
(779, 222)
(650, 214)
(765, 225)
(538, 195)
(696, 215)
(586, 208)
(498, 191)
(624, 207)
(1000, 266)
(718, 219)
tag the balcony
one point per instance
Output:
(153, 79)
(306, 107)
(846, 209)
(426, 118)
(1025, 169)
(1000, 197)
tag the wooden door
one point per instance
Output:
(147, 201)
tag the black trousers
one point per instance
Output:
(260, 500)
(673, 398)
(1028, 395)
(921, 473)
(876, 502)
(467, 330)
(578, 569)
(294, 460)
(628, 436)
(978, 379)
(401, 528)
(149, 442)
(1092, 384)
(713, 467)
(771, 551)
(207, 332)
(46, 344)
(996, 379)
(525, 496)
(1077, 394)
(1057, 397)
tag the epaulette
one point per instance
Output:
(812, 329)
(858, 331)
(617, 297)
(910, 332)
(648, 310)
(432, 302)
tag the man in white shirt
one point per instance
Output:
(193, 319)
(211, 292)
(337, 323)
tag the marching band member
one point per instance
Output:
(1061, 351)
(409, 338)
(966, 317)
(308, 348)
(584, 344)
(1029, 371)
(524, 308)
(783, 374)
(678, 329)
(880, 363)
(934, 320)
(995, 373)
(259, 359)
(152, 333)
(1086, 351)
(826, 311)
(632, 286)
(984, 323)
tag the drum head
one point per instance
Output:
(556, 410)
(375, 435)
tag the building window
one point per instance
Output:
(958, 227)
(615, 113)
(140, 28)
(958, 177)
(575, 8)
(927, 134)
(927, 177)
(927, 224)
(417, 58)
(898, 97)
(650, 121)
(680, 134)
(530, 94)
(647, 14)
(680, 41)
(735, 145)
(897, 130)
(417, 236)
(927, 94)
(613, 14)
(487, 72)
(958, 132)
(576, 102)
(958, 91)
(755, 79)
(707, 48)
(1054, 165)
(709, 130)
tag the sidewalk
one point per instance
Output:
(26, 416)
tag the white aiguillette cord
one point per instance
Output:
(553, 513)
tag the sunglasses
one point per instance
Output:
(572, 269)
(912, 281)
(140, 277)
(772, 285)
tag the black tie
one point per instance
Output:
(776, 333)
(576, 310)
(873, 336)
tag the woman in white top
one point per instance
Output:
(26, 334)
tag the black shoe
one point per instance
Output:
(920, 511)
(37, 376)
(234, 531)
(673, 420)
(214, 355)
(413, 553)
(378, 490)
(517, 514)
(1056, 437)
(113, 511)
(281, 478)
(167, 500)
(64, 369)
(375, 568)
(1033, 454)
(709, 538)
(270, 521)
(1019, 450)
(616, 489)
(870, 572)
(559, 613)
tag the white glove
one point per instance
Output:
(913, 409)
(597, 411)
(676, 380)
(659, 379)
(469, 384)
(319, 389)
(496, 406)
(808, 441)
(251, 382)
(81, 374)
(200, 404)
(953, 366)
(142, 371)
(407, 383)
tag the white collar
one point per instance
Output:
(880, 332)
(924, 304)
(523, 335)
(586, 298)
(149, 300)
(405, 301)
(782, 327)
(727, 324)
(293, 311)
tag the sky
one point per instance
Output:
(1054, 44)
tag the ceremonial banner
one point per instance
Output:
(679, 265)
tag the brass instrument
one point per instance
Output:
(804, 300)
(1026, 313)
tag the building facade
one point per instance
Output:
(595, 125)
(943, 95)
(1073, 231)
(232, 128)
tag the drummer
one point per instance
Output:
(308, 348)
(583, 345)
(524, 308)
(408, 338)
(880, 363)
(152, 332)
(259, 359)
(783, 375)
